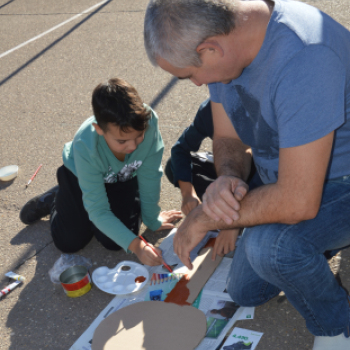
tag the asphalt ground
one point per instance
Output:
(45, 92)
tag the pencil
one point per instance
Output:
(167, 266)
(32, 178)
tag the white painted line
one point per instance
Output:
(52, 29)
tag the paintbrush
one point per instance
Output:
(166, 265)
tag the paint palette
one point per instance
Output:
(127, 277)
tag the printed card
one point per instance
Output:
(242, 339)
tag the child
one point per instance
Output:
(110, 178)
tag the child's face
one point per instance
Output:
(119, 142)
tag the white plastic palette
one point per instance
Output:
(123, 279)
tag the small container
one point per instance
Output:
(8, 173)
(76, 281)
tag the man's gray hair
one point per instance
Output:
(173, 29)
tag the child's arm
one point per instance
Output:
(149, 179)
(190, 199)
(190, 141)
(95, 198)
(225, 242)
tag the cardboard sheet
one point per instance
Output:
(151, 325)
(187, 289)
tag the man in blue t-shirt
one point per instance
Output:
(279, 79)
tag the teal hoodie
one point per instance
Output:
(89, 158)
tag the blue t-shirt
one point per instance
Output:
(296, 90)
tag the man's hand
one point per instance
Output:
(222, 197)
(169, 217)
(145, 254)
(188, 235)
(225, 242)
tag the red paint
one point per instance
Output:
(179, 293)
(210, 243)
(77, 285)
(140, 279)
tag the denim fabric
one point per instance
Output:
(274, 257)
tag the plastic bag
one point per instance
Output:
(64, 262)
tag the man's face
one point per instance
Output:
(198, 75)
(214, 69)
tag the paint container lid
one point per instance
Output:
(8, 173)
(125, 278)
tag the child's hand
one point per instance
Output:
(189, 202)
(145, 254)
(168, 217)
(225, 242)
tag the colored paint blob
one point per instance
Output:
(210, 243)
(140, 279)
(180, 293)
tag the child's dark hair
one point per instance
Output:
(118, 102)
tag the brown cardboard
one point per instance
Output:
(187, 289)
(151, 325)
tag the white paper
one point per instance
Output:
(247, 338)
(221, 313)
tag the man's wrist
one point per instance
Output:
(203, 223)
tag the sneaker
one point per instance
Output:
(38, 207)
(339, 342)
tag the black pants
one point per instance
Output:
(204, 173)
(71, 227)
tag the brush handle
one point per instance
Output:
(167, 266)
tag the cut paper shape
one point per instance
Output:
(187, 289)
(151, 325)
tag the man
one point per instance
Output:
(279, 80)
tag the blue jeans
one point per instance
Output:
(289, 258)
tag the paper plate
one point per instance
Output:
(8, 173)
(127, 277)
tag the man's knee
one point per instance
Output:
(275, 250)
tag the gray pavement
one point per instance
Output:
(45, 91)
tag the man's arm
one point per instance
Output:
(232, 159)
(295, 197)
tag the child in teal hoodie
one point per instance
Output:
(110, 179)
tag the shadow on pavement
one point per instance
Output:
(11, 75)
(6, 4)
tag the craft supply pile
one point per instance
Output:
(155, 309)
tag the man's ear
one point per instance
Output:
(210, 45)
(98, 129)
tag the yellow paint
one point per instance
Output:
(79, 292)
